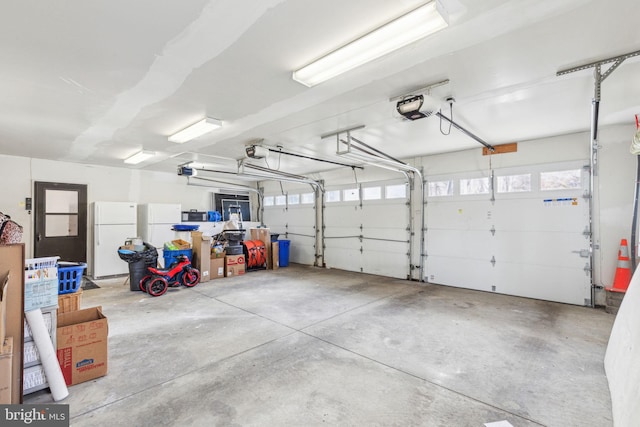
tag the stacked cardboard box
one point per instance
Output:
(216, 265)
(234, 265)
(201, 254)
(6, 368)
(82, 344)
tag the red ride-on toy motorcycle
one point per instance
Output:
(178, 273)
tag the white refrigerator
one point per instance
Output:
(155, 222)
(113, 223)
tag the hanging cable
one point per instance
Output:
(355, 176)
(450, 115)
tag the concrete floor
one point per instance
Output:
(303, 346)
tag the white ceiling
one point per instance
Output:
(95, 82)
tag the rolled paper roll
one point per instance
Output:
(47, 354)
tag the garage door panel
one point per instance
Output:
(537, 240)
(535, 215)
(385, 263)
(460, 272)
(567, 285)
(302, 217)
(458, 215)
(541, 248)
(342, 258)
(335, 215)
(301, 250)
(386, 233)
(392, 215)
(459, 243)
(307, 231)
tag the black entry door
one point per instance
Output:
(60, 227)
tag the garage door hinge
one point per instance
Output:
(586, 232)
(586, 195)
(493, 261)
(361, 249)
(493, 230)
(587, 269)
(584, 253)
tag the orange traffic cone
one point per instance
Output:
(623, 272)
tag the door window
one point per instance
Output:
(61, 216)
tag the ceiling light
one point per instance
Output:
(408, 28)
(140, 157)
(195, 130)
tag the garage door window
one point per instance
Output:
(474, 186)
(560, 180)
(307, 198)
(294, 199)
(514, 183)
(396, 191)
(441, 188)
(332, 196)
(372, 193)
(281, 200)
(268, 201)
(351, 195)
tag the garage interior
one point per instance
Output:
(454, 207)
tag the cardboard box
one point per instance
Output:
(264, 235)
(275, 255)
(201, 254)
(4, 286)
(6, 366)
(82, 344)
(181, 244)
(216, 268)
(70, 302)
(234, 265)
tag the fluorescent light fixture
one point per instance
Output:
(408, 28)
(195, 130)
(140, 157)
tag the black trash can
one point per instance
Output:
(138, 263)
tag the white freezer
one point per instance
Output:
(155, 222)
(107, 240)
(113, 223)
(159, 213)
(115, 213)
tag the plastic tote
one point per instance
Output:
(283, 247)
(172, 256)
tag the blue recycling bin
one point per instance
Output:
(283, 247)
(172, 256)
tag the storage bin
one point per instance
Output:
(70, 276)
(171, 256)
(283, 248)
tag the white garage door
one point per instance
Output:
(369, 236)
(531, 241)
(295, 215)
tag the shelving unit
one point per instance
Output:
(41, 291)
